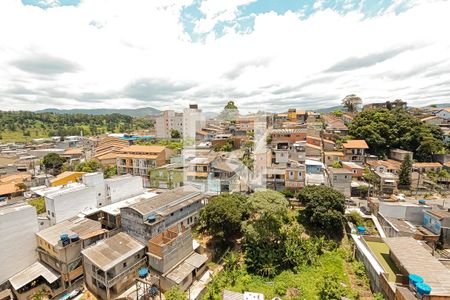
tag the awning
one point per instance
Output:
(32, 273)
(196, 260)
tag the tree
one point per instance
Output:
(89, 166)
(109, 171)
(175, 293)
(336, 164)
(324, 209)
(268, 201)
(175, 134)
(404, 175)
(384, 130)
(53, 162)
(222, 216)
(351, 102)
(230, 112)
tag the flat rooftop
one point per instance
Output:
(381, 252)
(415, 259)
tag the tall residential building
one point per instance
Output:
(193, 120)
(18, 225)
(138, 160)
(169, 120)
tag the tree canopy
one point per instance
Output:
(384, 130)
(404, 176)
(53, 162)
(351, 102)
(230, 112)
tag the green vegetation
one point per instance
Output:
(53, 162)
(351, 102)
(337, 113)
(39, 203)
(175, 293)
(89, 166)
(175, 134)
(227, 147)
(336, 164)
(222, 216)
(324, 209)
(173, 145)
(23, 125)
(230, 112)
(109, 171)
(388, 129)
(404, 176)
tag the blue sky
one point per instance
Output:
(263, 54)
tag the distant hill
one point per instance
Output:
(329, 109)
(442, 105)
(133, 112)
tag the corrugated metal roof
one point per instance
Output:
(196, 260)
(32, 273)
(109, 252)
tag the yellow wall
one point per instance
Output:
(67, 179)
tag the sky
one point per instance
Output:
(264, 54)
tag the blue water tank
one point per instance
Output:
(361, 229)
(143, 272)
(153, 291)
(422, 201)
(64, 237)
(422, 289)
(414, 280)
(151, 218)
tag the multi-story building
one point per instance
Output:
(193, 120)
(111, 265)
(356, 170)
(167, 177)
(60, 246)
(289, 135)
(138, 160)
(150, 217)
(297, 115)
(355, 150)
(295, 176)
(18, 225)
(199, 170)
(341, 180)
(438, 221)
(169, 120)
(388, 182)
(330, 157)
(172, 257)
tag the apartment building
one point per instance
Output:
(341, 180)
(111, 265)
(193, 120)
(150, 217)
(169, 120)
(138, 160)
(18, 225)
(59, 246)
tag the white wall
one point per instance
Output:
(17, 240)
(410, 213)
(67, 204)
(125, 187)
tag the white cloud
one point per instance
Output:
(110, 53)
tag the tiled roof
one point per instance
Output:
(355, 144)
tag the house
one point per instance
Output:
(314, 172)
(313, 151)
(336, 126)
(60, 245)
(330, 157)
(297, 115)
(171, 256)
(167, 177)
(149, 217)
(111, 265)
(138, 160)
(433, 120)
(389, 166)
(312, 140)
(357, 170)
(18, 225)
(388, 182)
(328, 145)
(107, 150)
(73, 154)
(274, 177)
(424, 167)
(400, 154)
(199, 170)
(444, 114)
(36, 278)
(295, 176)
(438, 221)
(355, 150)
(288, 135)
(396, 104)
(66, 178)
(225, 175)
(297, 152)
(341, 180)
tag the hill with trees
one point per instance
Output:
(25, 125)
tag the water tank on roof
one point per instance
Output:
(74, 238)
(64, 236)
(422, 201)
(414, 280)
(151, 218)
(361, 229)
(153, 291)
(143, 272)
(422, 289)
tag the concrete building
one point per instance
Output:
(357, 170)
(66, 178)
(388, 182)
(18, 225)
(355, 150)
(288, 135)
(438, 221)
(444, 114)
(405, 211)
(111, 265)
(388, 166)
(341, 180)
(330, 157)
(424, 167)
(400, 154)
(172, 257)
(295, 176)
(60, 246)
(169, 120)
(138, 160)
(150, 217)
(193, 120)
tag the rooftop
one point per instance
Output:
(82, 227)
(427, 165)
(415, 259)
(340, 171)
(111, 251)
(66, 174)
(355, 144)
(143, 149)
(32, 273)
(351, 165)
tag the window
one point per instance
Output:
(138, 256)
(48, 212)
(124, 264)
(53, 214)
